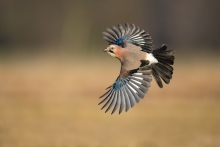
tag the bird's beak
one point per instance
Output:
(105, 50)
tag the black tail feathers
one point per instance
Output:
(163, 69)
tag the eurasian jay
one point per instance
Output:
(139, 61)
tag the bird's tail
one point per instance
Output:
(163, 69)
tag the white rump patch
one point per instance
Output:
(151, 58)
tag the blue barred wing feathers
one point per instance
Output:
(126, 92)
(129, 33)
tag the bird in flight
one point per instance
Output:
(139, 61)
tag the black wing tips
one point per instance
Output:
(133, 90)
(163, 70)
(129, 33)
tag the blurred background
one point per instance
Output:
(53, 70)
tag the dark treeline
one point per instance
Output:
(185, 24)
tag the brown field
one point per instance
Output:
(53, 103)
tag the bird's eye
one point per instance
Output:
(111, 50)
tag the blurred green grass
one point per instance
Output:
(52, 103)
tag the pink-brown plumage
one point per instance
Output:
(133, 47)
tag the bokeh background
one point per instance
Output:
(53, 70)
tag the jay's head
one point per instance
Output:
(113, 50)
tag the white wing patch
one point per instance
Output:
(138, 73)
(134, 85)
(132, 89)
(136, 81)
(138, 78)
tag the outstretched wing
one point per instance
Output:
(128, 91)
(133, 34)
